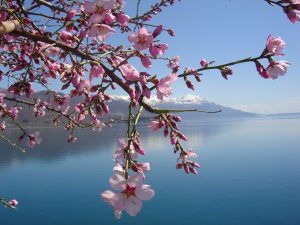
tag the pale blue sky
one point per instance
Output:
(225, 30)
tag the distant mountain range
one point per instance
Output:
(118, 107)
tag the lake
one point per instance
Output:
(250, 170)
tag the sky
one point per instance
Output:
(225, 31)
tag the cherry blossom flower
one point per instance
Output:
(14, 112)
(98, 7)
(13, 202)
(157, 31)
(71, 15)
(96, 71)
(164, 86)
(146, 61)
(34, 139)
(275, 45)
(141, 40)
(130, 73)
(142, 167)
(174, 62)
(278, 68)
(119, 154)
(184, 161)
(66, 37)
(261, 70)
(293, 15)
(204, 63)
(122, 19)
(109, 18)
(98, 125)
(293, 10)
(101, 31)
(60, 102)
(131, 193)
(225, 71)
(156, 50)
(156, 125)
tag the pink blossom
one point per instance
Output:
(71, 15)
(187, 155)
(96, 71)
(157, 31)
(278, 68)
(83, 85)
(155, 125)
(34, 139)
(119, 155)
(76, 80)
(66, 37)
(156, 50)
(146, 61)
(174, 62)
(189, 84)
(141, 40)
(101, 31)
(60, 102)
(261, 70)
(97, 7)
(14, 112)
(98, 125)
(53, 66)
(204, 63)
(275, 45)
(39, 107)
(131, 193)
(109, 18)
(293, 14)
(142, 167)
(164, 86)
(122, 19)
(226, 71)
(130, 73)
(13, 202)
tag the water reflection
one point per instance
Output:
(250, 175)
(54, 144)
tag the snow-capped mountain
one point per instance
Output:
(119, 105)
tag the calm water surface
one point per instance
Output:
(249, 176)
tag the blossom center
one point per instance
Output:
(142, 40)
(100, 10)
(129, 191)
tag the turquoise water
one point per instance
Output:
(250, 175)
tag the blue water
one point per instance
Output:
(249, 176)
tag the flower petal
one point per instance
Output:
(118, 181)
(144, 192)
(133, 205)
(136, 179)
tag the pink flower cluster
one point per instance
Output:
(274, 47)
(292, 10)
(164, 88)
(169, 124)
(102, 15)
(131, 192)
(131, 188)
